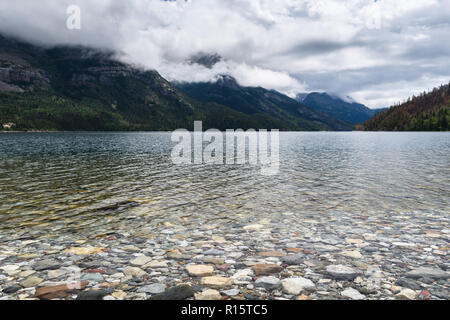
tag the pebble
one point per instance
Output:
(200, 270)
(269, 283)
(59, 291)
(294, 285)
(153, 288)
(181, 292)
(231, 292)
(293, 259)
(342, 272)
(407, 294)
(266, 269)
(140, 261)
(31, 282)
(353, 294)
(216, 282)
(94, 294)
(352, 254)
(208, 294)
(134, 271)
(426, 272)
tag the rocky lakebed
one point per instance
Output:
(287, 256)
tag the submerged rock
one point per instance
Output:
(266, 269)
(341, 272)
(426, 272)
(95, 294)
(269, 283)
(181, 292)
(295, 285)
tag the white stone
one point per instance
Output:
(295, 286)
(253, 227)
(140, 261)
(352, 254)
(407, 294)
(353, 294)
(208, 294)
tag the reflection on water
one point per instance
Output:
(75, 181)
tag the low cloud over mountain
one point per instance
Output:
(378, 52)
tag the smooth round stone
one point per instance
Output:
(31, 282)
(216, 282)
(294, 285)
(293, 259)
(92, 295)
(232, 292)
(353, 294)
(140, 261)
(153, 288)
(341, 272)
(426, 272)
(269, 283)
(407, 294)
(208, 294)
(200, 270)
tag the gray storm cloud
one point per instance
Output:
(378, 52)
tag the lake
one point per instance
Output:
(70, 177)
(358, 215)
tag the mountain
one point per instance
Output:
(257, 101)
(338, 108)
(427, 112)
(79, 88)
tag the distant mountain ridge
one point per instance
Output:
(77, 88)
(427, 112)
(348, 111)
(259, 101)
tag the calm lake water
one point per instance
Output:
(76, 181)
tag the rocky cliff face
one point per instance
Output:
(16, 79)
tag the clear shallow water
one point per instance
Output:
(74, 182)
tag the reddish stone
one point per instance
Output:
(224, 267)
(425, 293)
(272, 254)
(266, 269)
(94, 271)
(294, 250)
(60, 291)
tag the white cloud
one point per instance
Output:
(354, 47)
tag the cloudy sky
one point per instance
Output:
(378, 52)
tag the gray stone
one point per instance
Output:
(156, 288)
(12, 289)
(426, 272)
(293, 259)
(341, 272)
(213, 252)
(48, 264)
(181, 292)
(269, 283)
(92, 295)
(92, 277)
